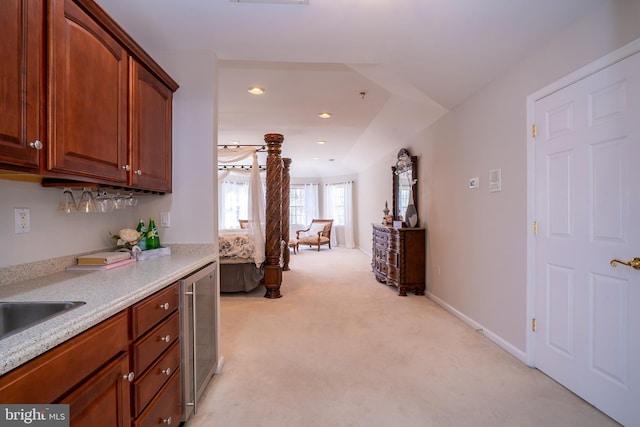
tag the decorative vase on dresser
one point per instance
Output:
(398, 258)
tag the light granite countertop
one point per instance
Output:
(105, 293)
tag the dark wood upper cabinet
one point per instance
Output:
(105, 117)
(150, 117)
(22, 130)
(88, 89)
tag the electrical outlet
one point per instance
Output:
(22, 220)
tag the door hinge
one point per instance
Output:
(535, 228)
(533, 324)
(534, 131)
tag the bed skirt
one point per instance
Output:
(239, 276)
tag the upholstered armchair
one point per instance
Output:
(317, 234)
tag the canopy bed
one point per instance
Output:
(255, 255)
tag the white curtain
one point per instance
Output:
(256, 196)
(232, 201)
(329, 207)
(349, 239)
(311, 210)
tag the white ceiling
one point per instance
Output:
(415, 59)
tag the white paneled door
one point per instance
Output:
(587, 186)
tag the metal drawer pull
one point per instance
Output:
(167, 371)
(137, 172)
(129, 377)
(36, 145)
(166, 338)
(165, 306)
(167, 421)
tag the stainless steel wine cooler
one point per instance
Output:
(199, 302)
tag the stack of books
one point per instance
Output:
(102, 261)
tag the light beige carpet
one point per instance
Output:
(340, 349)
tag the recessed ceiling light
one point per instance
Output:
(316, 158)
(321, 142)
(235, 142)
(256, 90)
(324, 115)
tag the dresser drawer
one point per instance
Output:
(153, 309)
(146, 386)
(149, 347)
(393, 275)
(166, 407)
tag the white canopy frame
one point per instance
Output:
(256, 202)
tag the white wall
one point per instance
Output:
(476, 251)
(193, 202)
(194, 190)
(374, 189)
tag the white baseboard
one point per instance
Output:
(219, 365)
(507, 346)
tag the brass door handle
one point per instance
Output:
(635, 263)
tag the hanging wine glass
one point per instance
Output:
(67, 203)
(104, 202)
(130, 200)
(118, 201)
(87, 203)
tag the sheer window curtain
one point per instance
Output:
(311, 203)
(349, 240)
(329, 212)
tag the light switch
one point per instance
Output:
(495, 180)
(165, 219)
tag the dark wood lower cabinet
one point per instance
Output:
(155, 359)
(399, 258)
(106, 376)
(55, 374)
(103, 401)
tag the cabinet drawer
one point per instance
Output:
(166, 408)
(146, 386)
(153, 309)
(149, 347)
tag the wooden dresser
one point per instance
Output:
(399, 257)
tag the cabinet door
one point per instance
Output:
(87, 97)
(151, 131)
(21, 82)
(104, 399)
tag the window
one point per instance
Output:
(335, 202)
(233, 203)
(297, 206)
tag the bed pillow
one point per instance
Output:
(315, 228)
